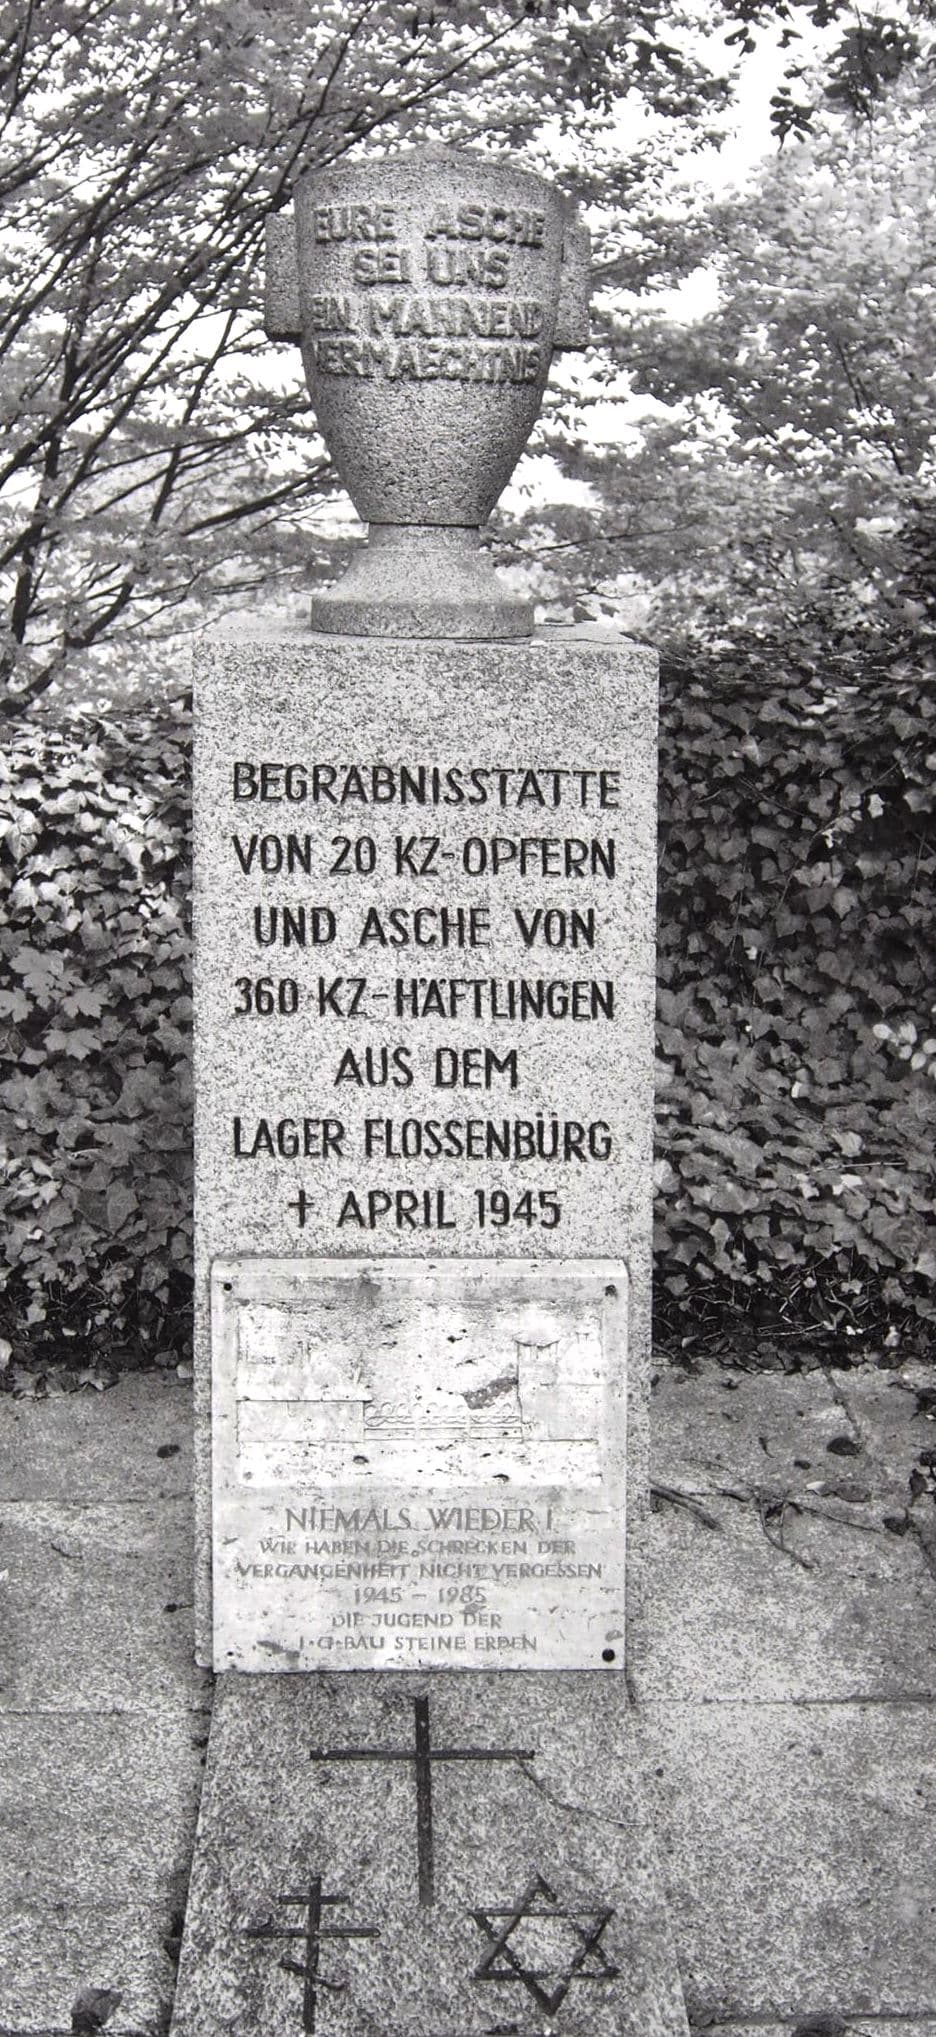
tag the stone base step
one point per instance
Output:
(444, 1855)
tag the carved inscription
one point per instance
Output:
(420, 995)
(420, 1462)
(384, 902)
(437, 304)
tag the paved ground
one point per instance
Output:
(785, 1678)
(103, 1718)
(784, 1673)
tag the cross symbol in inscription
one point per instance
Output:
(300, 1203)
(423, 1755)
(311, 1932)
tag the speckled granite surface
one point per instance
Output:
(510, 1891)
(446, 853)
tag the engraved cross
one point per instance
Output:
(311, 1933)
(423, 1754)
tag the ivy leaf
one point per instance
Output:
(78, 1042)
(14, 1005)
(88, 1003)
(41, 973)
(121, 1203)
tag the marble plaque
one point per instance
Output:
(418, 1463)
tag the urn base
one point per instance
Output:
(421, 580)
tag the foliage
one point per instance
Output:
(784, 458)
(797, 1000)
(157, 452)
(797, 1015)
(95, 1017)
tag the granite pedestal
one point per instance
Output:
(424, 1007)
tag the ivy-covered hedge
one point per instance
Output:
(95, 1031)
(797, 1037)
(797, 1006)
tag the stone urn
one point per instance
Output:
(428, 292)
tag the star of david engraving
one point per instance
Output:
(311, 1932)
(548, 1983)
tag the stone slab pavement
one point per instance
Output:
(783, 1672)
(103, 1716)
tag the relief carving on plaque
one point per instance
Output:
(452, 1391)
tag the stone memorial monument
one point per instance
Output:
(425, 846)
